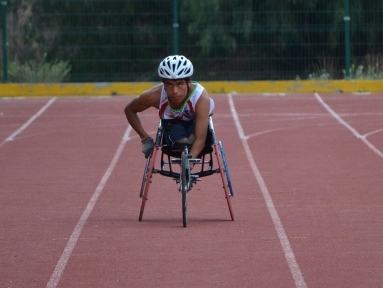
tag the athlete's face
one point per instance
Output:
(177, 90)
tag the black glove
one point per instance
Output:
(147, 146)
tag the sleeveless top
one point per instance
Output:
(187, 111)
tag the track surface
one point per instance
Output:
(307, 171)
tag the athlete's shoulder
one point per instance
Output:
(200, 88)
(152, 96)
(204, 100)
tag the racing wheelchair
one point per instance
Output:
(175, 163)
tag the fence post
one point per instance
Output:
(347, 37)
(176, 26)
(5, 43)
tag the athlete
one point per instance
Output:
(178, 98)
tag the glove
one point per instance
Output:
(147, 146)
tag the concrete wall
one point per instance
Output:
(213, 87)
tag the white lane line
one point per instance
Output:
(60, 266)
(26, 124)
(337, 117)
(289, 254)
(348, 126)
(373, 132)
(263, 132)
(236, 119)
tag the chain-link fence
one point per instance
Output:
(124, 40)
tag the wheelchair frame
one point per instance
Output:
(185, 177)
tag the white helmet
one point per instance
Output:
(175, 67)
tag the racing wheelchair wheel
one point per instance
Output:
(146, 179)
(184, 183)
(226, 169)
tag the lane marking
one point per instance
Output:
(26, 124)
(361, 93)
(273, 94)
(373, 132)
(288, 252)
(61, 264)
(349, 127)
(234, 114)
(263, 132)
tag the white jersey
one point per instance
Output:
(187, 111)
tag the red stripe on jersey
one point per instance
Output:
(190, 104)
(162, 109)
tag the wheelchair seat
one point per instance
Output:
(177, 148)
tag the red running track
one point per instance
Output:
(307, 171)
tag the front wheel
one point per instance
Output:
(184, 185)
(145, 177)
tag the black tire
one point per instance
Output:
(184, 186)
(145, 177)
(226, 169)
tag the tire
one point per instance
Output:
(145, 177)
(184, 186)
(226, 169)
(146, 180)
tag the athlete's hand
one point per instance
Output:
(147, 146)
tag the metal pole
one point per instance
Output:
(347, 37)
(5, 43)
(176, 26)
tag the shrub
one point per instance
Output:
(33, 71)
(371, 68)
(324, 69)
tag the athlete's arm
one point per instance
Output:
(202, 110)
(150, 98)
